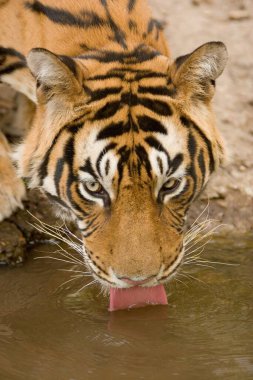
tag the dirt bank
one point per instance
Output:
(189, 23)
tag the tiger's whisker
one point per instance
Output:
(86, 274)
(55, 258)
(70, 280)
(86, 285)
(187, 275)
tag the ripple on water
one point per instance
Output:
(205, 332)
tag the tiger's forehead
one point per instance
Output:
(142, 64)
(135, 146)
(132, 121)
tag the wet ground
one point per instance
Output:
(49, 331)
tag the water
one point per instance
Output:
(49, 332)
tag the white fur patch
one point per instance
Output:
(108, 178)
(82, 224)
(174, 144)
(49, 185)
(92, 149)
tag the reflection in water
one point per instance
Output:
(204, 333)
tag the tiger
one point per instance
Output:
(123, 138)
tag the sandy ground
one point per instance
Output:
(189, 23)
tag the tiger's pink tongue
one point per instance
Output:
(137, 296)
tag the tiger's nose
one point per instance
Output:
(129, 281)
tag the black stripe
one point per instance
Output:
(202, 166)
(68, 158)
(159, 90)
(63, 17)
(85, 235)
(119, 35)
(153, 23)
(74, 128)
(132, 26)
(12, 67)
(69, 152)
(129, 99)
(43, 167)
(75, 205)
(160, 164)
(69, 62)
(192, 147)
(189, 123)
(156, 106)
(103, 93)
(120, 73)
(177, 217)
(87, 167)
(108, 110)
(86, 202)
(185, 121)
(143, 74)
(113, 130)
(124, 153)
(175, 163)
(131, 4)
(154, 143)
(12, 52)
(104, 151)
(143, 159)
(209, 147)
(149, 124)
(110, 75)
(85, 47)
(138, 55)
(107, 167)
(91, 221)
(58, 174)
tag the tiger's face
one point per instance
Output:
(124, 146)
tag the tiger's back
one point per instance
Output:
(72, 27)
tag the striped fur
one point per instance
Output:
(114, 111)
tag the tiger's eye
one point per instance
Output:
(171, 185)
(93, 186)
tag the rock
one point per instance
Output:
(239, 14)
(12, 244)
(199, 2)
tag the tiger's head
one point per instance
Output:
(124, 142)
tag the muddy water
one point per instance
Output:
(49, 332)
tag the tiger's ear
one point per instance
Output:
(57, 76)
(194, 74)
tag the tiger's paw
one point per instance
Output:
(12, 192)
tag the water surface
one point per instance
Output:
(50, 332)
